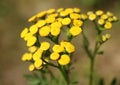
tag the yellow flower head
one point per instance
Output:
(75, 30)
(69, 10)
(108, 25)
(38, 63)
(55, 31)
(74, 16)
(109, 14)
(68, 46)
(31, 41)
(99, 12)
(27, 56)
(115, 18)
(51, 11)
(44, 31)
(63, 13)
(27, 36)
(41, 14)
(31, 67)
(92, 16)
(33, 29)
(104, 16)
(54, 56)
(53, 15)
(66, 21)
(32, 49)
(77, 23)
(32, 19)
(60, 9)
(64, 59)
(84, 16)
(38, 54)
(58, 48)
(59, 19)
(50, 19)
(45, 46)
(101, 21)
(24, 32)
(40, 23)
(77, 10)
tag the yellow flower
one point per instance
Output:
(84, 16)
(58, 48)
(115, 18)
(56, 25)
(75, 30)
(33, 29)
(69, 10)
(32, 49)
(64, 60)
(55, 31)
(60, 9)
(27, 36)
(26, 56)
(45, 46)
(51, 11)
(38, 63)
(77, 10)
(101, 21)
(54, 56)
(108, 36)
(66, 21)
(108, 25)
(31, 41)
(74, 16)
(40, 23)
(90, 12)
(109, 14)
(63, 13)
(103, 38)
(104, 16)
(99, 12)
(53, 15)
(59, 19)
(31, 67)
(77, 23)
(44, 31)
(24, 32)
(50, 19)
(110, 19)
(92, 16)
(41, 14)
(37, 55)
(68, 46)
(32, 19)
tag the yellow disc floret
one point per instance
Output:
(75, 30)
(54, 56)
(38, 63)
(45, 46)
(92, 16)
(31, 67)
(66, 21)
(24, 32)
(40, 23)
(44, 31)
(33, 29)
(58, 48)
(64, 59)
(108, 25)
(31, 41)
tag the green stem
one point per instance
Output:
(65, 74)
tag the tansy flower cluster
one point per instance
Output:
(104, 20)
(49, 24)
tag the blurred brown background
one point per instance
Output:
(13, 18)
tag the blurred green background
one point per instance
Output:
(13, 18)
